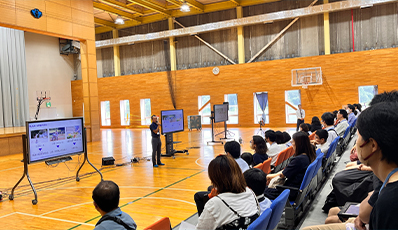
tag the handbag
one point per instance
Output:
(276, 181)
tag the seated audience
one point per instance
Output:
(256, 180)
(351, 114)
(315, 124)
(335, 117)
(327, 122)
(106, 197)
(286, 140)
(279, 137)
(295, 170)
(304, 128)
(342, 124)
(233, 205)
(248, 157)
(273, 149)
(376, 148)
(321, 136)
(260, 149)
(358, 109)
(233, 148)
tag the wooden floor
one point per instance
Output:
(147, 193)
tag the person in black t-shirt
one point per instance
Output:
(156, 142)
(376, 147)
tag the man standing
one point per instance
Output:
(156, 142)
(106, 197)
(300, 113)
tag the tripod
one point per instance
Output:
(212, 131)
(261, 131)
(226, 132)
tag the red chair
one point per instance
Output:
(279, 160)
(162, 224)
(265, 166)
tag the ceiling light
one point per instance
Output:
(119, 20)
(185, 7)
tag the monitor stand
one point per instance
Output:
(170, 151)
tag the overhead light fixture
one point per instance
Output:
(366, 6)
(119, 20)
(185, 7)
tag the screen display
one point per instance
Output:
(54, 138)
(172, 121)
(352, 210)
(220, 113)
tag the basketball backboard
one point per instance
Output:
(43, 95)
(306, 77)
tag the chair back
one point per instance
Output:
(347, 131)
(318, 165)
(267, 166)
(162, 224)
(332, 147)
(318, 151)
(312, 136)
(289, 153)
(309, 173)
(281, 157)
(277, 206)
(262, 221)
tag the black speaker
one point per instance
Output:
(108, 161)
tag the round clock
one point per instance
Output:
(216, 70)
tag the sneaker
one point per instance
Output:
(161, 164)
(155, 166)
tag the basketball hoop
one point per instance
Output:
(305, 85)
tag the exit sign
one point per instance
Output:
(48, 104)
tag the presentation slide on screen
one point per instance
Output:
(172, 121)
(51, 139)
(220, 113)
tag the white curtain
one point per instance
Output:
(14, 106)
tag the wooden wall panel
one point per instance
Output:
(342, 74)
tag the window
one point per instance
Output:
(206, 111)
(292, 100)
(232, 99)
(145, 111)
(125, 112)
(105, 113)
(258, 112)
(366, 94)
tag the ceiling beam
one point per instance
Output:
(197, 5)
(175, 2)
(213, 7)
(122, 6)
(235, 2)
(106, 23)
(150, 5)
(110, 9)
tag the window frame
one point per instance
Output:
(205, 117)
(289, 105)
(145, 120)
(258, 114)
(231, 106)
(105, 121)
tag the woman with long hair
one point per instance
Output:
(233, 205)
(260, 149)
(294, 172)
(315, 124)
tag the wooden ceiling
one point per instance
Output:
(136, 12)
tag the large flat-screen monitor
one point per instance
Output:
(220, 113)
(52, 139)
(172, 121)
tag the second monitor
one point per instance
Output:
(220, 113)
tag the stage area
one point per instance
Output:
(147, 193)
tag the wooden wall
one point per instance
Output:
(342, 74)
(72, 19)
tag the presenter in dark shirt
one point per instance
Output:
(156, 142)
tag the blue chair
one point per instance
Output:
(318, 176)
(318, 152)
(277, 207)
(262, 221)
(295, 208)
(329, 159)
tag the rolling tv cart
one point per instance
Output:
(170, 151)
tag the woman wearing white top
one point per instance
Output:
(232, 201)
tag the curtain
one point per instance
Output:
(262, 99)
(14, 106)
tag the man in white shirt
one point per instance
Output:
(273, 149)
(321, 136)
(233, 148)
(343, 123)
(300, 113)
(256, 180)
(328, 123)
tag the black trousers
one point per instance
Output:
(156, 148)
(299, 122)
(201, 199)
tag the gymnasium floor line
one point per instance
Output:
(149, 194)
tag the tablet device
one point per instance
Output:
(350, 209)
